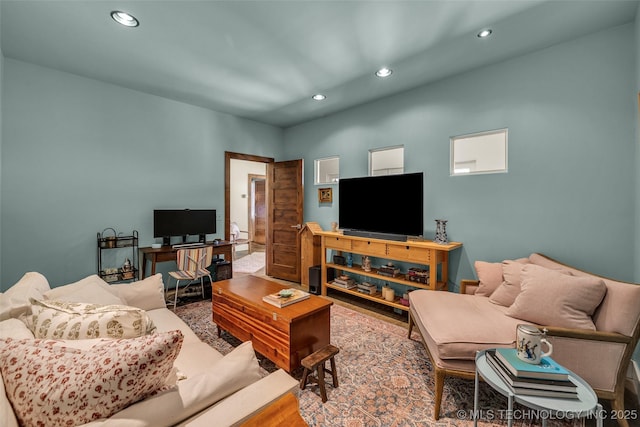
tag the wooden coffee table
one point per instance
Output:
(283, 335)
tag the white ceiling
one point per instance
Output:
(264, 59)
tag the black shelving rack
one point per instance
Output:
(106, 241)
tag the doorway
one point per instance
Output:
(245, 197)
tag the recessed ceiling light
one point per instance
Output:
(124, 18)
(485, 33)
(384, 72)
(319, 97)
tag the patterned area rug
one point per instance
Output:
(384, 378)
(249, 263)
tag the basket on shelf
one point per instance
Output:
(108, 241)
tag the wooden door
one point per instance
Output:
(259, 222)
(285, 213)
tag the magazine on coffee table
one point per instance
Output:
(286, 297)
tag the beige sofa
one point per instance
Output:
(592, 322)
(199, 386)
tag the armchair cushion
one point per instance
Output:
(489, 276)
(549, 297)
(509, 289)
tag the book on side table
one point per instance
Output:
(556, 384)
(286, 297)
(547, 368)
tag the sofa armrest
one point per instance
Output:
(468, 286)
(245, 403)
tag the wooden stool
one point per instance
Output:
(316, 361)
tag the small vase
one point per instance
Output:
(366, 263)
(441, 232)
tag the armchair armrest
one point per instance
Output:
(468, 286)
(601, 358)
(587, 334)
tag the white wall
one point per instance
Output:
(239, 192)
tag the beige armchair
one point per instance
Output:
(602, 356)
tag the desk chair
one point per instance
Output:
(234, 235)
(192, 265)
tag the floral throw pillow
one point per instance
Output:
(74, 320)
(51, 384)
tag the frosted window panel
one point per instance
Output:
(386, 161)
(484, 152)
(327, 171)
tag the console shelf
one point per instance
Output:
(420, 252)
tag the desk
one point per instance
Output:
(167, 253)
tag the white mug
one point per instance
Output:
(529, 340)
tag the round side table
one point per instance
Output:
(586, 403)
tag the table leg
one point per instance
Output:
(510, 411)
(475, 401)
(599, 415)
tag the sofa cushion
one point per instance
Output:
(69, 320)
(15, 301)
(461, 325)
(229, 374)
(509, 289)
(91, 290)
(489, 277)
(147, 294)
(550, 297)
(49, 383)
(15, 328)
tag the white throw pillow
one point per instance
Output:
(147, 294)
(233, 372)
(92, 290)
(15, 301)
(15, 328)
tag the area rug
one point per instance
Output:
(249, 263)
(385, 379)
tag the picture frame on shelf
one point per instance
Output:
(325, 195)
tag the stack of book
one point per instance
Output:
(388, 270)
(367, 288)
(547, 379)
(345, 282)
(286, 297)
(415, 274)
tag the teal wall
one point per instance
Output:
(570, 190)
(1, 101)
(637, 168)
(80, 155)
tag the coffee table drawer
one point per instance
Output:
(263, 317)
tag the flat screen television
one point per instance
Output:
(386, 207)
(183, 222)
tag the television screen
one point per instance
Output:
(183, 222)
(388, 205)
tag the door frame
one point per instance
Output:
(228, 155)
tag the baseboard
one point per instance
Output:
(632, 382)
